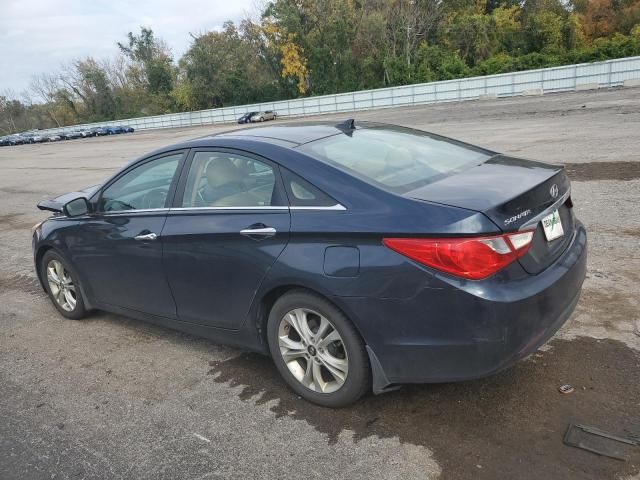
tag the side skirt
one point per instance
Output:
(243, 338)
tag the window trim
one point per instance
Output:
(170, 194)
(279, 191)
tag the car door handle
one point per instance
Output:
(146, 237)
(258, 232)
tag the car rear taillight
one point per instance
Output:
(474, 258)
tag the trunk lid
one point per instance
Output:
(515, 194)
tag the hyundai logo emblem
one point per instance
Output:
(554, 190)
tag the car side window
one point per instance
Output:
(144, 187)
(302, 194)
(223, 179)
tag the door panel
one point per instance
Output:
(121, 270)
(213, 269)
(228, 226)
(120, 249)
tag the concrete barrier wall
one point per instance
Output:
(610, 73)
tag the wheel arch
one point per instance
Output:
(42, 250)
(268, 299)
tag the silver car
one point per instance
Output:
(262, 116)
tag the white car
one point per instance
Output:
(262, 116)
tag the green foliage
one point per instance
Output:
(472, 35)
(437, 63)
(543, 32)
(315, 47)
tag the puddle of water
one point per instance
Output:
(511, 424)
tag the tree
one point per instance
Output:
(312, 47)
(153, 64)
(543, 32)
(473, 35)
(221, 67)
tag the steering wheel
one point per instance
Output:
(155, 198)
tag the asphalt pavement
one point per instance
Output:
(110, 397)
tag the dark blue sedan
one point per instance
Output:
(360, 257)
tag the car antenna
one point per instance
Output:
(348, 126)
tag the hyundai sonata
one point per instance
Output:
(360, 257)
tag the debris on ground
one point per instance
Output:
(566, 388)
(598, 441)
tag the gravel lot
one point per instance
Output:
(109, 397)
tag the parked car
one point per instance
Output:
(246, 118)
(128, 129)
(85, 132)
(54, 137)
(99, 131)
(73, 134)
(114, 130)
(4, 142)
(17, 139)
(359, 257)
(262, 116)
(40, 138)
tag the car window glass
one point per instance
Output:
(222, 179)
(397, 159)
(144, 187)
(302, 194)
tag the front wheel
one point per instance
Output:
(317, 350)
(62, 286)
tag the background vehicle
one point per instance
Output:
(263, 116)
(246, 118)
(128, 129)
(73, 134)
(99, 131)
(85, 132)
(54, 138)
(359, 258)
(17, 139)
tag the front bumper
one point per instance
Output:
(459, 330)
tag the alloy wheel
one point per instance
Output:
(313, 350)
(61, 285)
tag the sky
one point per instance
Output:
(39, 35)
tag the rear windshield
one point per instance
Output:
(396, 159)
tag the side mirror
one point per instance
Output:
(77, 207)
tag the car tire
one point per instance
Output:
(344, 353)
(67, 281)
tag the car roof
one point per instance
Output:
(294, 134)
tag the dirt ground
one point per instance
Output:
(110, 397)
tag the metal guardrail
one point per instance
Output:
(610, 73)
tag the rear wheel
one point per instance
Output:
(317, 350)
(62, 286)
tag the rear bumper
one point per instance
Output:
(460, 330)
